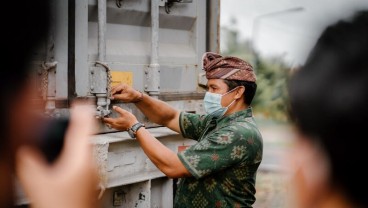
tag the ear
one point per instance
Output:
(239, 92)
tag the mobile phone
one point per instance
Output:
(50, 135)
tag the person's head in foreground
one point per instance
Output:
(328, 102)
(71, 181)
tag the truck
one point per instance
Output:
(154, 46)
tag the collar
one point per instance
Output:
(239, 115)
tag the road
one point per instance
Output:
(277, 141)
(272, 178)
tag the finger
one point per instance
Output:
(109, 120)
(78, 146)
(31, 168)
(118, 88)
(81, 128)
(119, 97)
(119, 110)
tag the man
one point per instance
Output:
(328, 99)
(220, 170)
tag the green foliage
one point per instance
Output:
(271, 95)
(272, 76)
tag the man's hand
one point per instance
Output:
(122, 123)
(125, 93)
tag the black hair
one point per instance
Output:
(329, 99)
(25, 27)
(24, 31)
(250, 88)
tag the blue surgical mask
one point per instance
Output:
(212, 104)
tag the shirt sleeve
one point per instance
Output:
(191, 125)
(219, 150)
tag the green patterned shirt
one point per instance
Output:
(223, 162)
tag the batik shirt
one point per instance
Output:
(223, 162)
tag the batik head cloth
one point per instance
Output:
(227, 67)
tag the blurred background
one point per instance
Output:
(276, 37)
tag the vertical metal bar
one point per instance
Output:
(80, 47)
(50, 57)
(154, 29)
(71, 49)
(101, 30)
(153, 72)
(213, 26)
(103, 101)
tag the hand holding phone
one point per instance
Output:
(72, 179)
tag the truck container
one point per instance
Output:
(155, 46)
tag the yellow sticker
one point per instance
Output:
(119, 77)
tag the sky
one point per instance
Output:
(288, 28)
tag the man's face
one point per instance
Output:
(218, 86)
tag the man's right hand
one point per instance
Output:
(125, 93)
(154, 109)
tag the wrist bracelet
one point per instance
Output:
(139, 99)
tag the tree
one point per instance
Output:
(272, 74)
